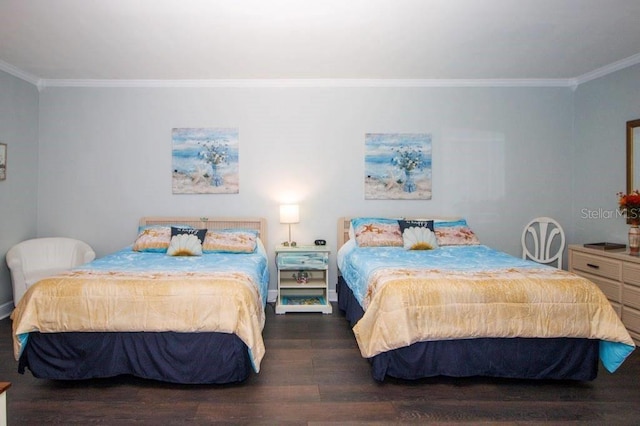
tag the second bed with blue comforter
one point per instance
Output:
(466, 310)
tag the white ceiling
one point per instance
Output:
(402, 40)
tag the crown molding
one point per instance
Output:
(608, 69)
(311, 83)
(17, 72)
(572, 83)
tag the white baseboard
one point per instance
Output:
(6, 309)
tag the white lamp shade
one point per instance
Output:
(289, 213)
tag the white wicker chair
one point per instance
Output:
(38, 258)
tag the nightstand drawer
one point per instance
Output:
(607, 268)
(303, 260)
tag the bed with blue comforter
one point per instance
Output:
(469, 310)
(180, 319)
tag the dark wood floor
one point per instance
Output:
(313, 374)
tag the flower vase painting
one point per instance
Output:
(205, 161)
(397, 166)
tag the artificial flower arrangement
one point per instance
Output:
(629, 204)
(214, 153)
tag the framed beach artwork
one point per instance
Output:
(3, 161)
(205, 161)
(397, 166)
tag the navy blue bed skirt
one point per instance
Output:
(188, 358)
(522, 358)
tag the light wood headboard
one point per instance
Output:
(255, 223)
(345, 222)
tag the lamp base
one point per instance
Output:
(289, 243)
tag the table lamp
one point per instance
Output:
(289, 213)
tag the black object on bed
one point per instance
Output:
(522, 358)
(187, 358)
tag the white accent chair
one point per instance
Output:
(32, 260)
(538, 241)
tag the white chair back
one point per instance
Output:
(543, 241)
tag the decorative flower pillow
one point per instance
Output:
(229, 241)
(456, 233)
(377, 232)
(418, 234)
(186, 241)
(154, 239)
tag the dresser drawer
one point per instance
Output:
(632, 296)
(631, 319)
(631, 273)
(618, 308)
(611, 289)
(607, 268)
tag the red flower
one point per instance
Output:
(629, 204)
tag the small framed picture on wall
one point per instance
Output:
(3, 161)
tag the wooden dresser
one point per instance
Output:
(618, 276)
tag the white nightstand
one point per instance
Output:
(303, 279)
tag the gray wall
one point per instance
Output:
(603, 106)
(501, 156)
(18, 193)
